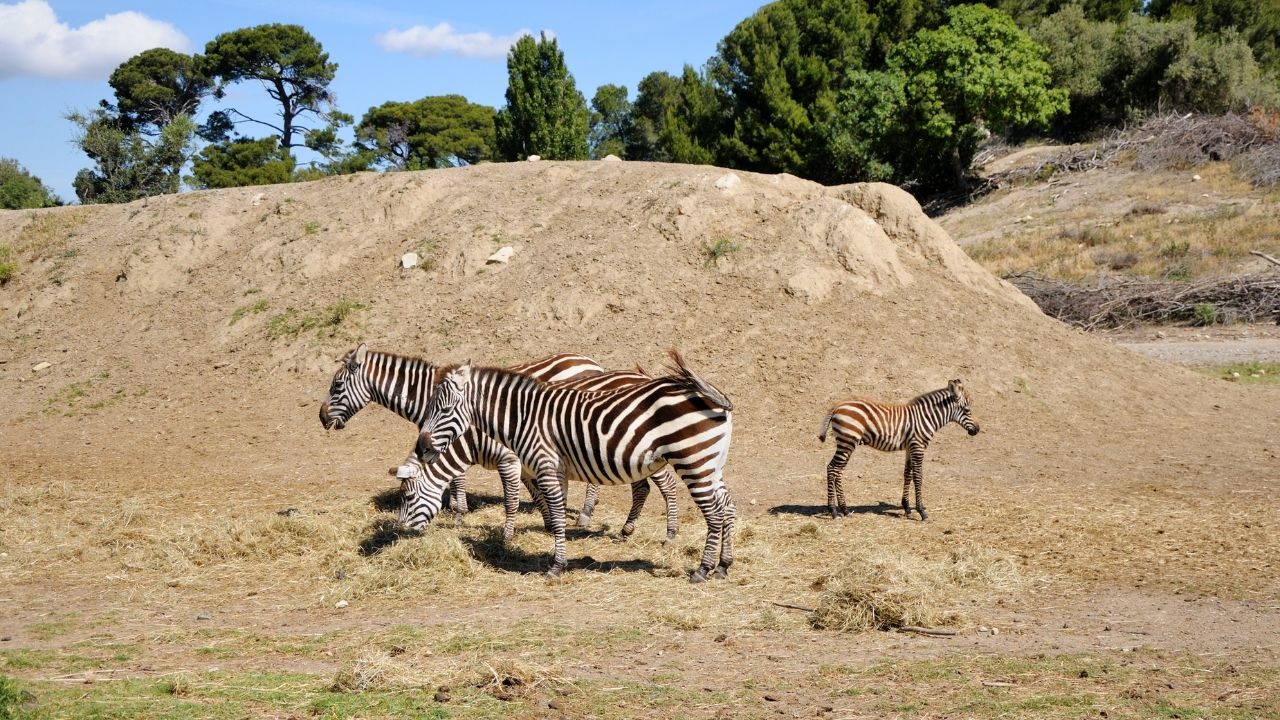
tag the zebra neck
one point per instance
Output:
(403, 385)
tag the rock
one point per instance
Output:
(441, 697)
(409, 260)
(287, 512)
(202, 616)
(771, 697)
(728, 181)
(41, 366)
(611, 158)
(1195, 178)
(340, 604)
(984, 629)
(995, 631)
(501, 257)
(534, 158)
(556, 704)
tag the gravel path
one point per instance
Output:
(1205, 347)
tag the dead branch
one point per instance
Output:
(1265, 256)
(789, 606)
(927, 631)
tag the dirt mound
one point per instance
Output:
(213, 318)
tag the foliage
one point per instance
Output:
(1077, 55)
(780, 70)
(7, 269)
(1029, 12)
(611, 122)
(432, 132)
(15, 704)
(240, 162)
(676, 119)
(20, 190)
(289, 63)
(943, 92)
(1257, 21)
(127, 164)
(289, 325)
(545, 114)
(156, 86)
(716, 249)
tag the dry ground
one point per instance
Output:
(1108, 545)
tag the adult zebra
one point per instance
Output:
(604, 438)
(891, 427)
(422, 486)
(403, 385)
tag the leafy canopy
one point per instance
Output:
(241, 162)
(20, 190)
(545, 114)
(432, 132)
(127, 164)
(154, 87)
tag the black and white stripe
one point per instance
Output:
(891, 427)
(607, 438)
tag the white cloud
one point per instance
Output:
(34, 42)
(443, 39)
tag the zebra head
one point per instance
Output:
(348, 392)
(960, 407)
(421, 496)
(448, 414)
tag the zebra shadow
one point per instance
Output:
(491, 551)
(387, 501)
(382, 533)
(880, 508)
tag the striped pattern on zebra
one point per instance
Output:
(891, 427)
(422, 487)
(604, 438)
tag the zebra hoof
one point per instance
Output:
(554, 574)
(671, 535)
(924, 518)
(698, 576)
(584, 521)
(721, 573)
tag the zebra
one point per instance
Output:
(891, 427)
(608, 438)
(422, 486)
(403, 385)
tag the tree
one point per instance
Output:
(781, 69)
(677, 119)
(944, 90)
(290, 64)
(20, 190)
(127, 164)
(1077, 56)
(240, 162)
(433, 132)
(1257, 22)
(156, 86)
(611, 123)
(545, 114)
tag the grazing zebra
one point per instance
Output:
(607, 438)
(403, 385)
(422, 487)
(891, 427)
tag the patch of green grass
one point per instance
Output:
(1250, 373)
(7, 269)
(289, 324)
(311, 227)
(718, 248)
(253, 309)
(53, 628)
(25, 658)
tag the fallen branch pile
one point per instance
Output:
(1120, 302)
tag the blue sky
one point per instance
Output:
(56, 56)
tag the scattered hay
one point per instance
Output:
(378, 670)
(884, 590)
(507, 679)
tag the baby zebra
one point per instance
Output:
(609, 438)
(891, 427)
(422, 487)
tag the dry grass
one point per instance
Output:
(882, 590)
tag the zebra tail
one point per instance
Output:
(826, 423)
(702, 386)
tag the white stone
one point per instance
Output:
(501, 256)
(41, 366)
(341, 604)
(611, 158)
(534, 158)
(409, 260)
(728, 181)
(258, 198)
(1195, 178)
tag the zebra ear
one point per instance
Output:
(955, 387)
(361, 353)
(463, 374)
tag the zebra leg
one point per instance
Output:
(835, 484)
(917, 477)
(589, 505)
(906, 486)
(730, 518)
(549, 482)
(539, 500)
(704, 494)
(509, 473)
(458, 498)
(639, 491)
(665, 479)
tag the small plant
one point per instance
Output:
(7, 269)
(720, 247)
(1206, 313)
(1176, 249)
(243, 310)
(288, 324)
(312, 227)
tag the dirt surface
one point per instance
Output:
(1204, 346)
(161, 382)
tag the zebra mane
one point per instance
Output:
(933, 397)
(681, 374)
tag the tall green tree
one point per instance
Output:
(782, 68)
(1257, 22)
(944, 91)
(293, 68)
(20, 190)
(611, 122)
(156, 86)
(545, 114)
(678, 119)
(432, 132)
(1077, 52)
(127, 164)
(241, 162)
